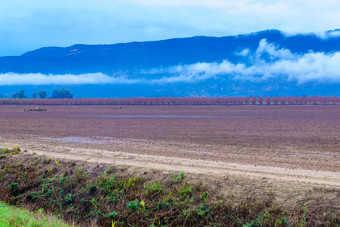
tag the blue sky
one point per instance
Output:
(29, 24)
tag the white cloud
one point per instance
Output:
(334, 34)
(70, 79)
(268, 61)
(243, 53)
(328, 34)
(293, 16)
(272, 51)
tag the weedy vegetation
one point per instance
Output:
(102, 195)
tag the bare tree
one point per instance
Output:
(261, 99)
(253, 100)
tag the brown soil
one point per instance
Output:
(290, 148)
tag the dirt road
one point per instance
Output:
(130, 153)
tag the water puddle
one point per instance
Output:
(95, 140)
(147, 116)
(325, 155)
(164, 116)
(198, 152)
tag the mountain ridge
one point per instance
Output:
(261, 34)
(145, 42)
(133, 56)
(138, 63)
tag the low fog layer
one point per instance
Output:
(267, 62)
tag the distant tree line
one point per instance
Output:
(62, 94)
(19, 95)
(63, 100)
(42, 94)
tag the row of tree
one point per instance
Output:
(290, 100)
(42, 94)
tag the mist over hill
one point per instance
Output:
(262, 63)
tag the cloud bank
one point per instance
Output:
(267, 62)
(67, 79)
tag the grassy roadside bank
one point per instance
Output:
(91, 194)
(15, 217)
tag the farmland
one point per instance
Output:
(281, 136)
(248, 150)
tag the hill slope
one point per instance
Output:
(144, 55)
(267, 62)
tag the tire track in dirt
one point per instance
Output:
(121, 157)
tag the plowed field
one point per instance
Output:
(289, 143)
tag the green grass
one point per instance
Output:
(12, 216)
